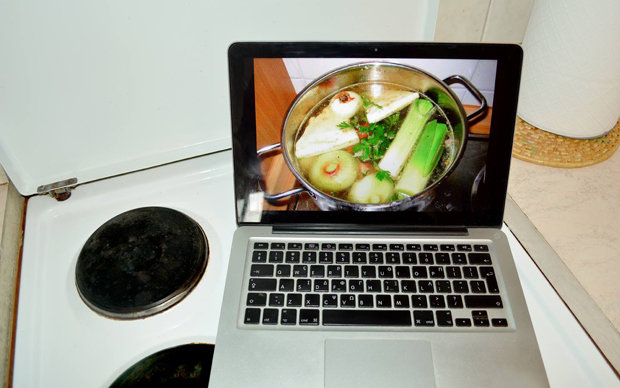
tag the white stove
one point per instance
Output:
(60, 342)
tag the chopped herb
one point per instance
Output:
(367, 102)
(384, 175)
(344, 125)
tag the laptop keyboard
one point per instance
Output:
(372, 284)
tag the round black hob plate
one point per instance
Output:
(141, 262)
(185, 366)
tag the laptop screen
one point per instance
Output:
(372, 133)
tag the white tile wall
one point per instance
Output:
(482, 73)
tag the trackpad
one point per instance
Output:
(378, 363)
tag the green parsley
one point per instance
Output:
(367, 102)
(344, 125)
(384, 175)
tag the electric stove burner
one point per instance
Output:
(141, 262)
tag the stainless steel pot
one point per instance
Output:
(375, 72)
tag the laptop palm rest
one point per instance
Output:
(363, 363)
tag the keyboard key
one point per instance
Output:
(436, 301)
(385, 272)
(351, 271)
(442, 258)
(477, 287)
(294, 246)
(303, 285)
(423, 318)
(419, 272)
(481, 248)
(256, 299)
(365, 300)
(261, 270)
(483, 301)
(443, 286)
(367, 317)
(407, 286)
(463, 322)
(384, 301)
(459, 258)
(300, 271)
(444, 318)
(347, 300)
(270, 316)
(343, 257)
(321, 285)
(293, 300)
(369, 271)
(460, 286)
(359, 257)
(479, 258)
(286, 285)
(464, 247)
(373, 286)
(334, 271)
(330, 300)
(262, 284)
(392, 258)
(276, 256)
(339, 285)
(454, 301)
(309, 317)
(345, 247)
(390, 285)
(283, 270)
(482, 322)
(276, 300)
(447, 247)
(261, 245)
(328, 246)
(426, 286)
(397, 247)
(499, 322)
(409, 258)
(259, 256)
(402, 272)
(317, 271)
(426, 258)
(453, 272)
(252, 316)
(288, 317)
(326, 257)
(492, 284)
(401, 301)
(362, 247)
(292, 257)
(375, 258)
(308, 257)
(356, 285)
(311, 246)
(414, 247)
(436, 272)
(470, 272)
(379, 247)
(431, 247)
(419, 301)
(276, 245)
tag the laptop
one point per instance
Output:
(370, 181)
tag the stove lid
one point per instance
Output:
(96, 89)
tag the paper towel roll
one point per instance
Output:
(571, 67)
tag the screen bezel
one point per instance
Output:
(243, 120)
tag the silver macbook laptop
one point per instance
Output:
(370, 181)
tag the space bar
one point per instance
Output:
(366, 317)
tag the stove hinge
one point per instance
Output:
(60, 190)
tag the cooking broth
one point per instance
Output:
(328, 179)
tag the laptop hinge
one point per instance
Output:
(369, 229)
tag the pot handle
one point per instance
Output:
(274, 198)
(480, 112)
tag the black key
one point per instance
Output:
(330, 300)
(288, 317)
(444, 318)
(425, 286)
(397, 247)
(464, 247)
(309, 317)
(259, 256)
(283, 270)
(390, 285)
(365, 301)
(443, 286)
(392, 258)
(414, 247)
(270, 316)
(486, 271)
(459, 258)
(339, 285)
(261, 245)
(425, 258)
(436, 272)
(479, 258)
(286, 285)
(345, 247)
(369, 271)
(343, 257)
(373, 286)
(431, 247)
(317, 271)
(375, 258)
(311, 246)
(262, 284)
(407, 286)
(379, 247)
(470, 272)
(492, 284)
(347, 300)
(326, 257)
(409, 258)
(293, 300)
(402, 272)
(359, 257)
(256, 299)
(300, 271)
(447, 247)
(321, 285)
(442, 258)
(401, 301)
(328, 246)
(453, 272)
(479, 314)
(419, 301)
(483, 322)
(362, 247)
(484, 301)
(367, 317)
(308, 257)
(356, 285)
(294, 246)
(481, 248)
(436, 301)
(275, 245)
(423, 318)
(384, 301)
(499, 322)
(276, 256)
(463, 322)
(351, 271)
(276, 299)
(292, 257)
(477, 287)
(455, 301)
(303, 285)
(252, 315)
(460, 286)
(385, 271)
(261, 270)
(334, 271)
